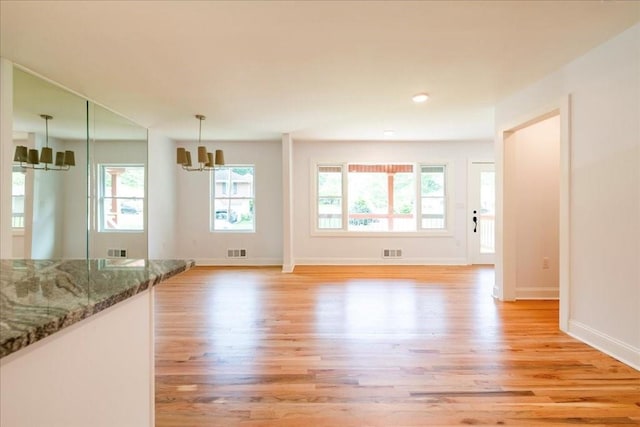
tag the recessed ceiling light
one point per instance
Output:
(389, 132)
(420, 98)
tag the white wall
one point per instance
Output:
(536, 173)
(310, 249)
(48, 208)
(75, 204)
(604, 289)
(114, 152)
(55, 207)
(162, 190)
(6, 156)
(195, 240)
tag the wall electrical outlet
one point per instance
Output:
(545, 263)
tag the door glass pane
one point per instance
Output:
(487, 212)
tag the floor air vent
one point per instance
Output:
(392, 253)
(236, 253)
(117, 253)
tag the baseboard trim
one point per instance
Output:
(375, 261)
(615, 348)
(288, 268)
(246, 262)
(534, 292)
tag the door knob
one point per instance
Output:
(475, 222)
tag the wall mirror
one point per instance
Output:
(118, 190)
(93, 208)
(49, 209)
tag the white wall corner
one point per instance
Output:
(161, 196)
(287, 200)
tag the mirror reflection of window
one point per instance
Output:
(18, 187)
(121, 197)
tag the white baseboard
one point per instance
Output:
(245, 262)
(376, 261)
(496, 293)
(535, 292)
(288, 268)
(615, 348)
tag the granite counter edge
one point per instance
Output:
(33, 335)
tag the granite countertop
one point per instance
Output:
(41, 297)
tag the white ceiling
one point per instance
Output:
(316, 69)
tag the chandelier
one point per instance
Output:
(28, 158)
(206, 160)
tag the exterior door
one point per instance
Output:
(481, 213)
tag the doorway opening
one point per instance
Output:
(532, 224)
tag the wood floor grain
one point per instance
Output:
(373, 346)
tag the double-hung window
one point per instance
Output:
(358, 197)
(121, 204)
(433, 197)
(329, 200)
(233, 198)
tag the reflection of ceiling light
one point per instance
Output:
(389, 132)
(420, 98)
(28, 158)
(205, 159)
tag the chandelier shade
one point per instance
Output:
(46, 155)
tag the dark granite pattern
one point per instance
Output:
(41, 297)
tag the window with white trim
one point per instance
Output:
(358, 197)
(433, 197)
(121, 201)
(233, 198)
(329, 200)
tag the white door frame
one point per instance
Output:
(505, 287)
(468, 214)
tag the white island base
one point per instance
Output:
(98, 372)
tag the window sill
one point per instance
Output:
(232, 231)
(407, 234)
(122, 231)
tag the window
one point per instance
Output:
(329, 197)
(381, 197)
(121, 202)
(235, 211)
(433, 197)
(18, 178)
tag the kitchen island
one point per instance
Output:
(76, 341)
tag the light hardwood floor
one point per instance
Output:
(373, 346)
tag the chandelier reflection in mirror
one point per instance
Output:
(206, 160)
(28, 158)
